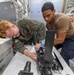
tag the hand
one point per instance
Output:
(32, 55)
(37, 46)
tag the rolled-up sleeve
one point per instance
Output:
(19, 45)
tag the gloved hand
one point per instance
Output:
(43, 44)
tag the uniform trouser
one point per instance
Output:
(67, 51)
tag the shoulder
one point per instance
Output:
(62, 17)
(23, 21)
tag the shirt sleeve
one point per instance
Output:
(19, 45)
(41, 32)
(63, 23)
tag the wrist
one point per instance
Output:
(27, 52)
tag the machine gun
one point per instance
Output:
(46, 62)
(43, 66)
(26, 70)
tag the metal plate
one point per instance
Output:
(7, 11)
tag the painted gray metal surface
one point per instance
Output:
(7, 11)
(6, 53)
(19, 60)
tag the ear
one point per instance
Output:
(13, 26)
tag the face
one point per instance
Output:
(13, 32)
(48, 15)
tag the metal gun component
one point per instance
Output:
(46, 62)
(42, 64)
(26, 70)
(45, 58)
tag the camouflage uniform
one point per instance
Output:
(27, 29)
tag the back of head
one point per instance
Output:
(47, 6)
(4, 25)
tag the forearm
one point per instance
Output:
(60, 37)
(19, 45)
(32, 55)
(27, 52)
(58, 41)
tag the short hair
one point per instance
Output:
(47, 6)
(4, 25)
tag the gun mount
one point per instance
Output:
(43, 65)
(46, 63)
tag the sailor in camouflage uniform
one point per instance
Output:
(28, 28)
